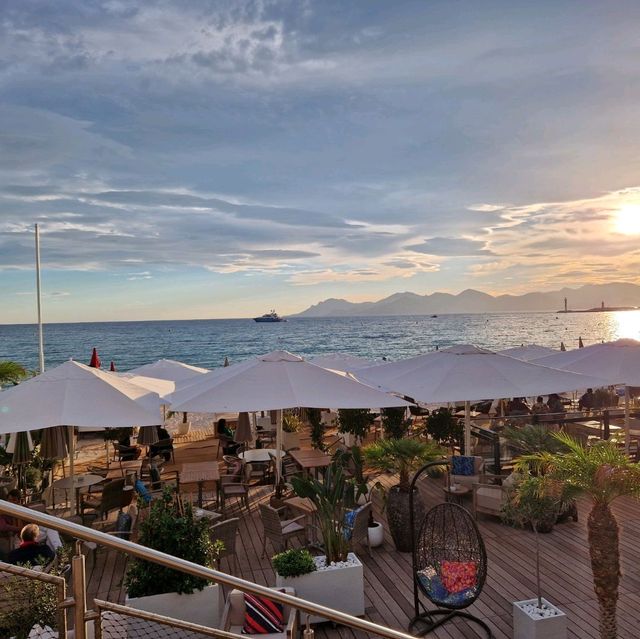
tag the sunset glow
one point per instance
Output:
(628, 220)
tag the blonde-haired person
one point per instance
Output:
(30, 551)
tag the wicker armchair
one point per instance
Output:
(279, 531)
(227, 532)
(359, 529)
(113, 497)
(489, 498)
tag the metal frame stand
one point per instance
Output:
(426, 621)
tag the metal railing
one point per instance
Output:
(20, 572)
(148, 554)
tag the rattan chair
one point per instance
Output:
(234, 486)
(114, 496)
(279, 531)
(227, 532)
(449, 567)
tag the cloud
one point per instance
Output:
(451, 246)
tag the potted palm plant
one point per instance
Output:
(401, 457)
(171, 527)
(603, 473)
(338, 580)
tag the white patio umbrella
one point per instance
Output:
(528, 352)
(341, 362)
(467, 373)
(616, 362)
(276, 381)
(162, 387)
(73, 394)
(169, 369)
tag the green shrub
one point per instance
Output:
(291, 423)
(293, 563)
(317, 428)
(445, 428)
(394, 422)
(171, 528)
(355, 421)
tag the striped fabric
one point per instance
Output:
(262, 616)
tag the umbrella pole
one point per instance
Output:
(278, 447)
(627, 420)
(467, 428)
(72, 454)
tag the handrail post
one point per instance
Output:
(79, 594)
(606, 422)
(61, 592)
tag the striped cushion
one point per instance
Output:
(262, 616)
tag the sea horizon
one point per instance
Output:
(207, 342)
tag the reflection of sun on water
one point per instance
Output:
(628, 324)
(628, 220)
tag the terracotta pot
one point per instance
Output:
(398, 517)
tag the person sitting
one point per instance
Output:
(30, 551)
(555, 404)
(9, 524)
(539, 408)
(226, 435)
(164, 445)
(126, 451)
(587, 401)
(517, 406)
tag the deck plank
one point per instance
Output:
(566, 569)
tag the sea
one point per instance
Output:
(206, 343)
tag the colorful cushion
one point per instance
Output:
(262, 616)
(349, 521)
(432, 583)
(457, 576)
(141, 489)
(462, 465)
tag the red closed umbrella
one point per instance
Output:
(112, 368)
(95, 360)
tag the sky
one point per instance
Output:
(210, 159)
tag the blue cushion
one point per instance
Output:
(349, 520)
(462, 465)
(432, 584)
(141, 489)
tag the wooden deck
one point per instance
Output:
(566, 573)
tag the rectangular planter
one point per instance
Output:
(526, 627)
(203, 607)
(341, 588)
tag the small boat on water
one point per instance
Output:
(271, 316)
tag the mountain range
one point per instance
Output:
(472, 301)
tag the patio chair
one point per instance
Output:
(466, 470)
(358, 529)
(489, 498)
(279, 531)
(126, 453)
(113, 497)
(449, 568)
(234, 486)
(227, 532)
(164, 448)
(233, 616)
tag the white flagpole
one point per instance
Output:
(39, 295)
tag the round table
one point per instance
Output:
(79, 481)
(455, 494)
(260, 455)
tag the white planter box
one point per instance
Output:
(341, 588)
(527, 627)
(203, 607)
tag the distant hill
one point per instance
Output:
(471, 301)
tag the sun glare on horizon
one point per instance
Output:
(628, 220)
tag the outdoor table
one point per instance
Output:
(77, 482)
(258, 455)
(211, 515)
(198, 473)
(310, 459)
(456, 496)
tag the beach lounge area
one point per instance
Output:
(261, 482)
